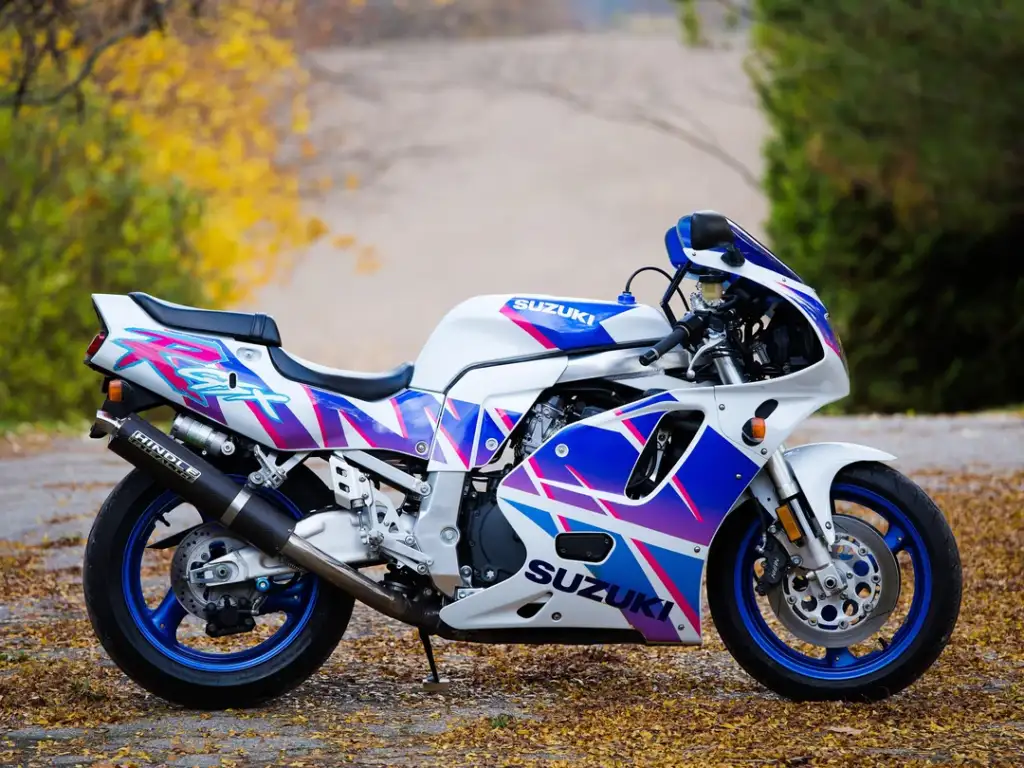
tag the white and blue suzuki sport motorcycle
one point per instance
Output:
(551, 470)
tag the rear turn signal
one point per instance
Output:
(115, 390)
(95, 344)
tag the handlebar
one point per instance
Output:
(689, 325)
(679, 334)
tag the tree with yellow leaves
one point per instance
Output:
(191, 103)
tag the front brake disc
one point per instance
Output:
(858, 611)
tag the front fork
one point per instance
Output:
(801, 535)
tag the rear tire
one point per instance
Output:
(915, 645)
(122, 628)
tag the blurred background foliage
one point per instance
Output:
(139, 146)
(161, 145)
(78, 211)
(895, 176)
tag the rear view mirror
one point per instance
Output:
(709, 230)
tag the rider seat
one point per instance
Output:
(261, 329)
(362, 386)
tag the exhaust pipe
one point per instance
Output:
(254, 518)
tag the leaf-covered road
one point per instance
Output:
(63, 703)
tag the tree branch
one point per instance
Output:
(638, 117)
(151, 17)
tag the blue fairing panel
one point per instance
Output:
(678, 238)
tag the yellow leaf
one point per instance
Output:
(315, 228)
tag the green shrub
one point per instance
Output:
(930, 320)
(77, 217)
(896, 180)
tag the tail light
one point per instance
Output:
(95, 344)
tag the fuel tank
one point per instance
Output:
(491, 329)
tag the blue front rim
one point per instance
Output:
(159, 626)
(840, 663)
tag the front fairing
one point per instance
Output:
(760, 266)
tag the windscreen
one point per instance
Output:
(677, 241)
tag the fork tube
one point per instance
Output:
(727, 369)
(816, 552)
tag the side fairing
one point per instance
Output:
(577, 482)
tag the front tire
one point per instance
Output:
(143, 641)
(915, 531)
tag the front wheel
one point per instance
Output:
(877, 637)
(142, 544)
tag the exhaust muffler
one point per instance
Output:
(254, 518)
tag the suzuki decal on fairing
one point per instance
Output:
(566, 324)
(551, 308)
(524, 418)
(588, 587)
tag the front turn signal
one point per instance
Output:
(754, 431)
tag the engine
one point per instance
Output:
(490, 546)
(546, 418)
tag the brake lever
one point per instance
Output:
(690, 372)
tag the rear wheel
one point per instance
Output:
(141, 622)
(896, 616)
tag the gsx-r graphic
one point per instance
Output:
(551, 470)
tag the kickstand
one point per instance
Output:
(434, 682)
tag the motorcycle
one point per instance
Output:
(551, 470)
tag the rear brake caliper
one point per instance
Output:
(229, 616)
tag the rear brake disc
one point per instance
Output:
(197, 549)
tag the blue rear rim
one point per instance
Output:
(841, 663)
(159, 626)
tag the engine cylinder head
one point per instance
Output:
(543, 421)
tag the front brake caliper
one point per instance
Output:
(775, 559)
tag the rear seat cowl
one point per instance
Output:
(253, 328)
